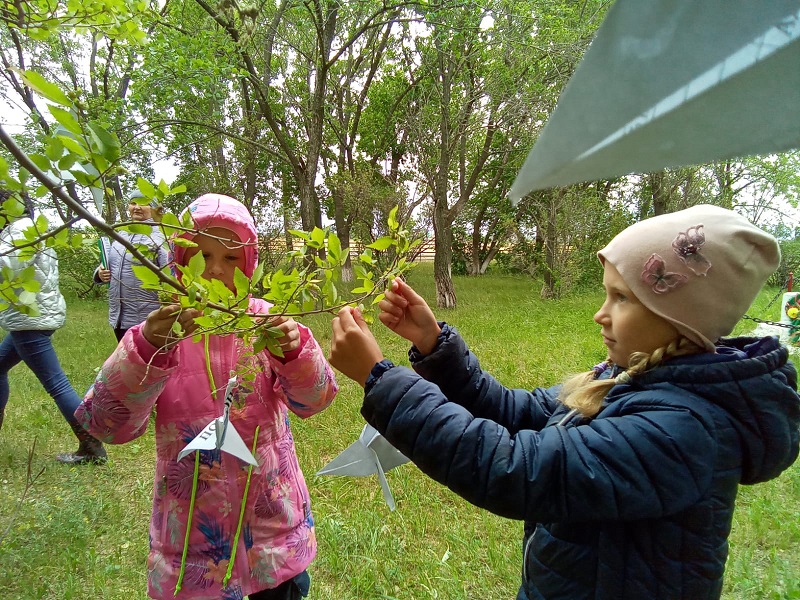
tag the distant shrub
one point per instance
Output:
(790, 263)
(76, 268)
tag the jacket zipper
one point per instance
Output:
(564, 420)
(525, 561)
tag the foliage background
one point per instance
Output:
(83, 531)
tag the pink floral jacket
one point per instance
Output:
(276, 540)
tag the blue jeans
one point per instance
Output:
(36, 349)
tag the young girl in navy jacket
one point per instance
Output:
(626, 476)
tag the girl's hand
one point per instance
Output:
(354, 350)
(407, 314)
(291, 333)
(103, 275)
(157, 329)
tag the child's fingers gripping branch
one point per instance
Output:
(354, 350)
(157, 328)
(291, 333)
(407, 314)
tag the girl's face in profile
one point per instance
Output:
(629, 326)
(223, 252)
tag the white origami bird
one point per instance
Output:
(369, 454)
(220, 434)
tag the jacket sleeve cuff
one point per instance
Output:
(292, 354)
(414, 355)
(157, 357)
(377, 371)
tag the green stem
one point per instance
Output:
(241, 514)
(189, 521)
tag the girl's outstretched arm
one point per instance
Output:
(117, 407)
(609, 469)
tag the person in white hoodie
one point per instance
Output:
(28, 337)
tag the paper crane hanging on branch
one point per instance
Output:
(220, 434)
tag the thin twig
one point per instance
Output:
(30, 479)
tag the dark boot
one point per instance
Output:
(90, 449)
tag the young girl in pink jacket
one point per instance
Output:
(220, 528)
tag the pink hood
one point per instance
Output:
(216, 210)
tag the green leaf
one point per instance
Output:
(106, 142)
(241, 283)
(317, 239)
(28, 298)
(169, 220)
(54, 149)
(40, 161)
(47, 90)
(184, 243)
(145, 187)
(99, 198)
(382, 243)
(366, 288)
(138, 228)
(258, 273)
(197, 265)
(205, 322)
(13, 208)
(334, 248)
(73, 146)
(66, 162)
(66, 118)
(149, 279)
(41, 223)
(220, 292)
(186, 220)
(392, 221)
(30, 285)
(260, 343)
(274, 347)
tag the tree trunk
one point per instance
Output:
(548, 290)
(342, 230)
(442, 271)
(659, 193)
(489, 257)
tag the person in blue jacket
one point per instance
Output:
(626, 476)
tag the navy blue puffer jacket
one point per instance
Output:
(634, 503)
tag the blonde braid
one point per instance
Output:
(585, 394)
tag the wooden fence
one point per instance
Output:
(423, 253)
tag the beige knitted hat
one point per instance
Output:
(699, 268)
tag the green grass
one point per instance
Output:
(82, 532)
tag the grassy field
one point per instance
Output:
(82, 532)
